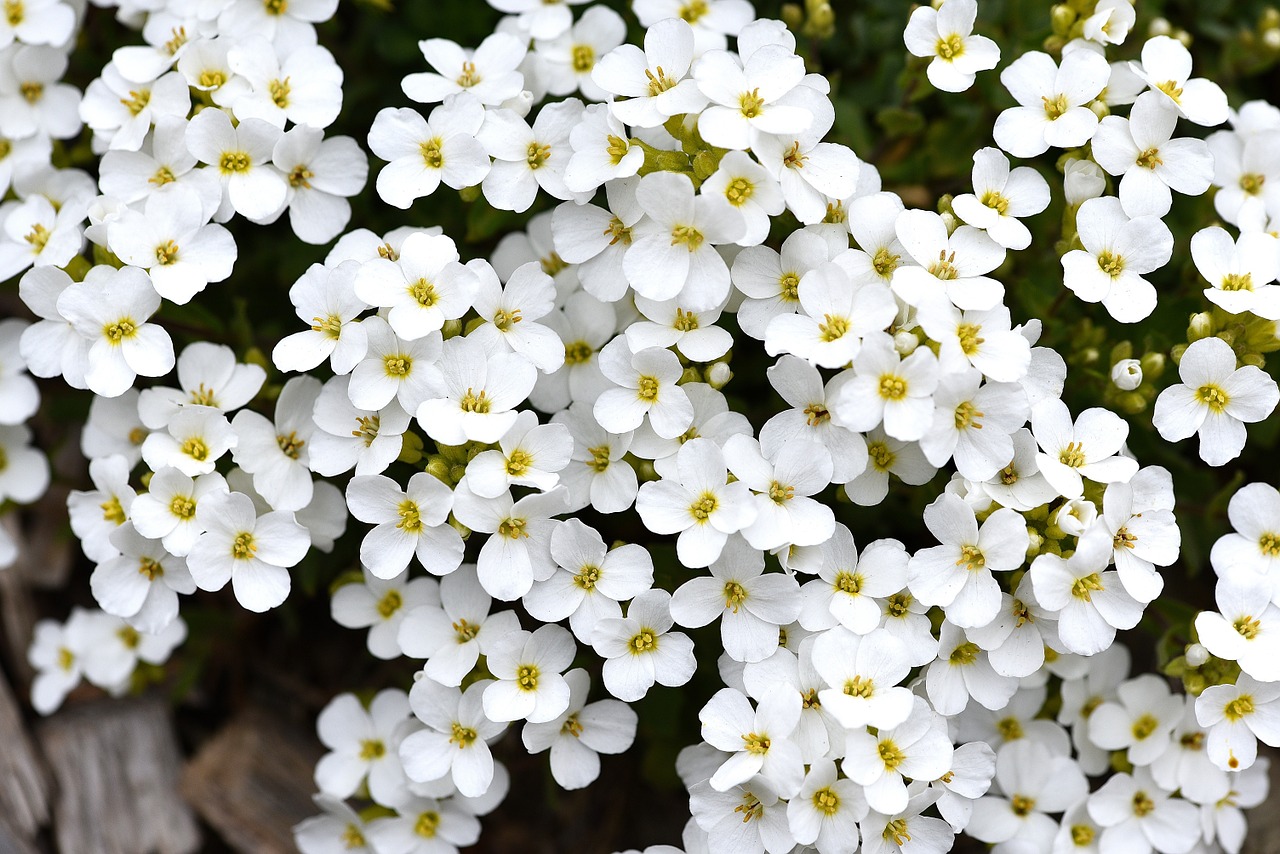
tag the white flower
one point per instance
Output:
(337, 826)
(749, 101)
(381, 607)
(529, 454)
(974, 424)
(1166, 67)
(1254, 512)
(193, 442)
(1139, 720)
(455, 743)
(253, 552)
(1241, 273)
(96, 514)
(488, 73)
(885, 456)
(143, 583)
(38, 22)
(277, 454)
(51, 108)
(568, 60)
(983, 339)
(918, 749)
(963, 671)
(121, 112)
(518, 552)
(750, 603)
(471, 394)
(321, 174)
(325, 298)
(423, 287)
(408, 523)
(591, 579)
(601, 151)
(886, 388)
(1141, 149)
(809, 419)
(303, 86)
(951, 266)
(700, 505)
(784, 483)
(1214, 400)
(863, 673)
(712, 20)
(581, 733)
(528, 667)
(1090, 602)
(758, 740)
(34, 232)
(422, 153)
(1237, 717)
(1088, 448)
(394, 368)
(425, 826)
(597, 473)
(946, 34)
(770, 280)
(673, 251)
(648, 386)
(654, 81)
(111, 308)
(167, 510)
(511, 314)
(251, 185)
(1246, 626)
(51, 346)
(452, 635)
(1141, 817)
(362, 745)
(526, 158)
(1052, 101)
(810, 171)
(640, 649)
(848, 586)
(349, 437)
(837, 316)
(957, 574)
(1001, 197)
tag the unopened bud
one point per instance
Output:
(1153, 365)
(1127, 374)
(905, 342)
(718, 375)
(792, 16)
(1062, 17)
(1256, 360)
(690, 375)
(521, 104)
(1160, 27)
(1271, 39)
(1201, 326)
(1196, 654)
(1100, 109)
(822, 20)
(1083, 180)
(438, 468)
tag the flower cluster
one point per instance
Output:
(483, 420)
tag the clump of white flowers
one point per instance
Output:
(480, 422)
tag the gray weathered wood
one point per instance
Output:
(116, 766)
(253, 781)
(23, 783)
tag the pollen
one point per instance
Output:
(150, 569)
(971, 558)
(885, 262)
(970, 337)
(816, 414)
(513, 529)
(945, 267)
(410, 517)
(859, 686)
(647, 389)
(1072, 455)
(137, 101)
(167, 253)
(390, 602)
(881, 457)
(243, 546)
(463, 736)
(183, 506)
(469, 77)
(235, 162)
(111, 510)
(790, 287)
(584, 58)
(967, 416)
(1252, 182)
(14, 12)
(848, 582)
(1010, 729)
(600, 458)
(372, 748)
(739, 191)
(1247, 627)
(1144, 726)
(537, 155)
(122, 329)
(1213, 397)
(702, 509)
(578, 352)
(893, 387)
(826, 801)
(896, 832)
(1172, 89)
(659, 82)
(427, 825)
(965, 654)
(1142, 804)
(1110, 263)
(616, 149)
(890, 754)
(688, 235)
(1150, 158)
(527, 677)
(1022, 805)
(519, 462)
(734, 595)
(472, 402)
(280, 90)
(505, 319)
(1270, 544)
(996, 201)
(465, 631)
(300, 177)
(832, 328)
(780, 493)
(367, 428)
(1083, 588)
(196, 448)
(645, 640)
(1055, 107)
(587, 577)
(1237, 282)
(686, 321)
(693, 10)
(950, 47)
(1238, 708)
(432, 155)
(32, 91)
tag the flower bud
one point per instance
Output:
(1073, 517)
(718, 375)
(905, 342)
(1083, 181)
(792, 16)
(1100, 109)
(521, 104)
(1127, 374)
(1201, 326)
(1196, 654)
(1062, 17)
(1271, 39)
(1153, 364)
(1160, 27)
